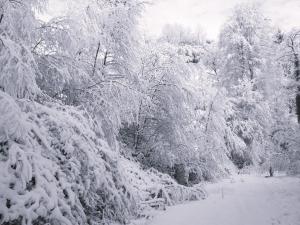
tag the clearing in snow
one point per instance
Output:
(242, 200)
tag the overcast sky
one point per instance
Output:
(207, 14)
(211, 14)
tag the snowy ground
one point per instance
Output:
(242, 200)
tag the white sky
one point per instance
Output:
(207, 14)
(211, 14)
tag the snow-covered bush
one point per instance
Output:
(151, 184)
(57, 168)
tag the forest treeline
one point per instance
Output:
(97, 119)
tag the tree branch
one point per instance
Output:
(1, 18)
(95, 60)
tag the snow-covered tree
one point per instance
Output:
(18, 68)
(245, 45)
(243, 40)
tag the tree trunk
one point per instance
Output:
(95, 59)
(271, 171)
(298, 104)
(138, 128)
(297, 76)
(1, 18)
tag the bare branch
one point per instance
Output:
(95, 60)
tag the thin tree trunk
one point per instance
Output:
(137, 130)
(105, 58)
(271, 171)
(1, 18)
(298, 104)
(251, 72)
(95, 60)
(297, 76)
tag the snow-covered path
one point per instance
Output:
(243, 200)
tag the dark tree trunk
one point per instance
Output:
(1, 18)
(95, 59)
(138, 128)
(298, 104)
(271, 171)
(297, 67)
(297, 76)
